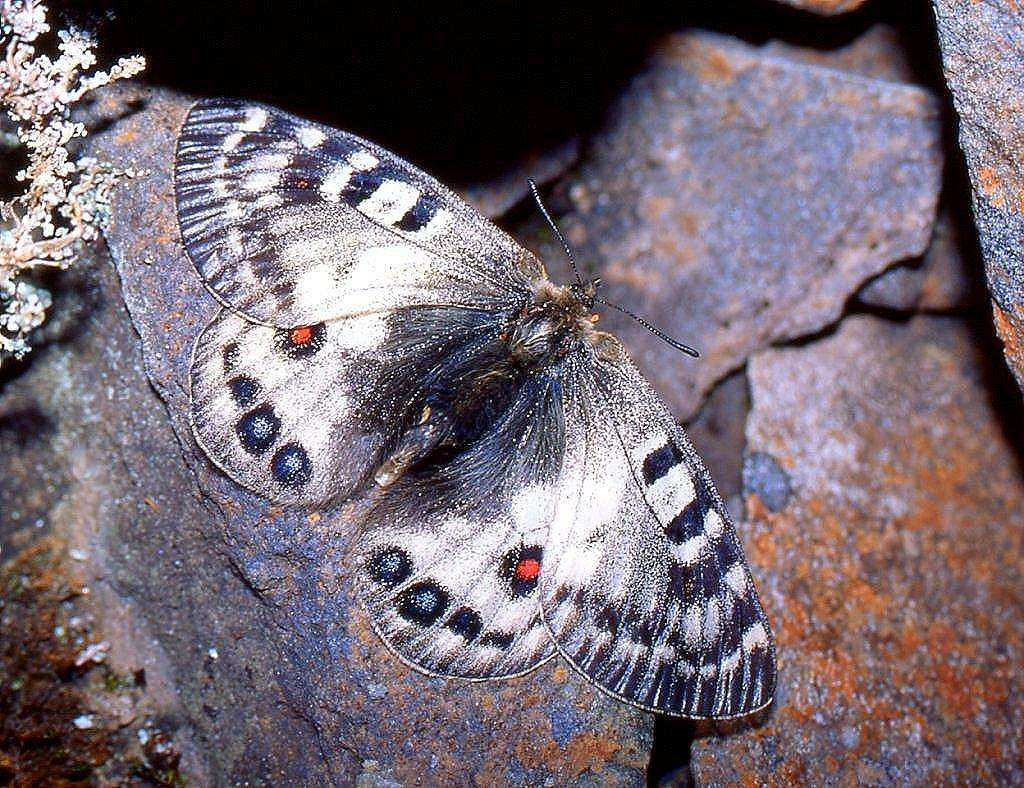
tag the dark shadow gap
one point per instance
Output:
(670, 755)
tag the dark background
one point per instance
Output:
(462, 90)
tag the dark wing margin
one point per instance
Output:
(646, 590)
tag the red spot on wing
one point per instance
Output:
(528, 569)
(301, 335)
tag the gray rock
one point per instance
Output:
(879, 53)
(765, 478)
(737, 199)
(496, 198)
(983, 58)
(942, 280)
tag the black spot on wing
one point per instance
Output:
(465, 622)
(690, 521)
(520, 569)
(337, 148)
(608, 620)
(389, 566)
(362, 184)
(696, 580)
(660, 461)
(230, 356)
(727, 553)
(419, 216)
(244, 390)
(258, 429)
(422, 603)
(291, 466)
(643, 632)
(499, 640)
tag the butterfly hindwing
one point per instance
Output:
(292, 223)
(645, 588)
(452, 553)
(273, 407)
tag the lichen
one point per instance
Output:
(64, 200)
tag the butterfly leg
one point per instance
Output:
(418, 441)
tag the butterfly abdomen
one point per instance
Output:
(474, 390)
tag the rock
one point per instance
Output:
(737, 199)
(717, 431)
(826, 7)
(294, 694)
(942, 280)
(496, 198)
(879, 53)
(89, 541)
(894, 570)
(983, 58)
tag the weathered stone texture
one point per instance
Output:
(983, 58)
(738, 199)
(892, 567)
(944, 279)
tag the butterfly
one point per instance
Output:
(531, 494)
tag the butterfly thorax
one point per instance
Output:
(559, 321)
(465, 403)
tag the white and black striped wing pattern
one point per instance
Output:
(452, 554)
(645, 588)
(291, 222)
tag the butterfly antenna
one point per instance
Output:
(653, 329)
(555, 230)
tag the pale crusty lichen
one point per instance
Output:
(63, 200)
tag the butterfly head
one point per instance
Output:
(586, 292)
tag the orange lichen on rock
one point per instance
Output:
(896, 569)
(1011, 331)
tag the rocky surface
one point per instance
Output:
(742, 198)
(495, 198)
(739, 199)
(879, 53)
(983, 58)
(946, 278)
(886, 529)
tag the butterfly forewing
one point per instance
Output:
(290, 222)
